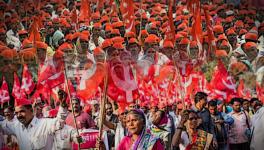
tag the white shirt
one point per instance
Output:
(39, 134)
(257, 141)
(63, 138)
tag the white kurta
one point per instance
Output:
(257, 141)
(38, 135)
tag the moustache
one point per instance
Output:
(20, 118)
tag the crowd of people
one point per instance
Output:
(137, 74)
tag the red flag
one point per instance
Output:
(222, 83)
(91, 80)
(51, 73)
(196, 31)
(170, 33)
(122, 78)
(127, 10)
(260, 92)
(28, 84)
(34, 31)
(16, 92)
(210, 33)
(4, 94)
(242, 91)
(85, 11)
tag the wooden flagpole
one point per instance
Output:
(103, 102)
(73, 112)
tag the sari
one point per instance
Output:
(145, 141)
(200, 141)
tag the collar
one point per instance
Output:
(32, 123)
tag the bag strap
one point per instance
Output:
(246, 119)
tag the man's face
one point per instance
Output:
(236, 107)
(8, 114)
(41, 53)
(252, 53)
(76, 105)
(232, 38)
(212, 109)
(84, 47)
(246, 105)
(109, 110)
(23, 114)
(203, 103)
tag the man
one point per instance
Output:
(221, 121)
(239, 130)
(257, 141)
(83, 120)
(200, 100)
(31, 132)
(10, 118)
(245, 106)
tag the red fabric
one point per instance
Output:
(28, 84)
(222, 83)
(16, 92)
(170, 34)
(127, 9)
(4, 94)
(34, 31)
(85, 12)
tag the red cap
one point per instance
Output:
(98, 51)
(168, 44)
(249, 45)
(152, 38)
(107, 43)
(41, 45)
(130, 34)
(22, 102)
(133, 41)
(231, 32)
(251, 36)
(220, 53)
(21, 32)
(118, 39)
(185, 41)
(218, 29)
(193, 44)
(118, 46)
(242, 31)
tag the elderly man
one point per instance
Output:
(31, 132)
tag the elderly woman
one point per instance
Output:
(138, 137)
(191, 138)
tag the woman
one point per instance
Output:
(138, 138)
(191, 138)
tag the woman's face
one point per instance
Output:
(193, 121)
(134, 124)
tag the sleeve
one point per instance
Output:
(228, 119)
(7, 128)
(56, 124)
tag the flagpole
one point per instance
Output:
(103, 102)
(73, 112)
